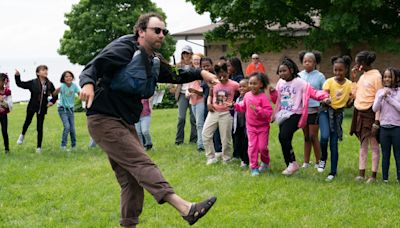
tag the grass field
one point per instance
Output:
(78, 189)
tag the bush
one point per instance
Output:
(168, 100)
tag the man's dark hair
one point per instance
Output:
(143, 21)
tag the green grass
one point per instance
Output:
(78, 189)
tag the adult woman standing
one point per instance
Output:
(183, 101)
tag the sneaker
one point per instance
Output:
(371, 180)
(263, 167)
(321, 166)
(386, 181)
(292, 168)
(39, 150)
(305, 165)
(218, 154)
(316, 165)
(63, 148)
(243, 165)
(20, 139)
(360, 178)
(330, 177)
(7, 152)
(73, 148)
(255, 172)
(211, 161)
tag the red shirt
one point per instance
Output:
(5, 93)
(251, 68)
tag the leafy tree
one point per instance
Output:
(95, 23)
(262, 25)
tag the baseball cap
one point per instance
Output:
(187, 49)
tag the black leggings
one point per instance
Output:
(39, 126)
(240, 144)
(4, 127)
(286, 132)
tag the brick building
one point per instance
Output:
(271, 60)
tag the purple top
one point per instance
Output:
(388, 105)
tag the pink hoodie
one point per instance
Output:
(260, 117)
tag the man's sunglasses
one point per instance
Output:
(157, 30)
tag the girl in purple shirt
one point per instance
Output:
(387, 101)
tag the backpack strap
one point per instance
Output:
(145, 58)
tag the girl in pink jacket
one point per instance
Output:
(258, 116)
(291, 110)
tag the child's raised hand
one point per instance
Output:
(17, 73)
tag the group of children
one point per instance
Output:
(309, 101)
(239, 109)
(41, 89)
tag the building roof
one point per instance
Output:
(294, 29)
(196, 33)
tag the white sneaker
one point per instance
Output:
(211, 161)
(20, 139)
(243, 165)
(330, 178)
(292, 168)
(63, 148)
(305, 165)
(39, 150)
(321, 166)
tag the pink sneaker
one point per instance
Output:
(292, 168)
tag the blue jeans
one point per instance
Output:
(390, 137)
(332, 136)
(143, 130)
(67, 118)
(198, 112)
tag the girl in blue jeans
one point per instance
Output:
(143, 126)
(332, 112)
(67, 91)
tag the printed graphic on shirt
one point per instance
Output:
(222, 96)
(287, 95)
(68, 92)
(339, 93)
